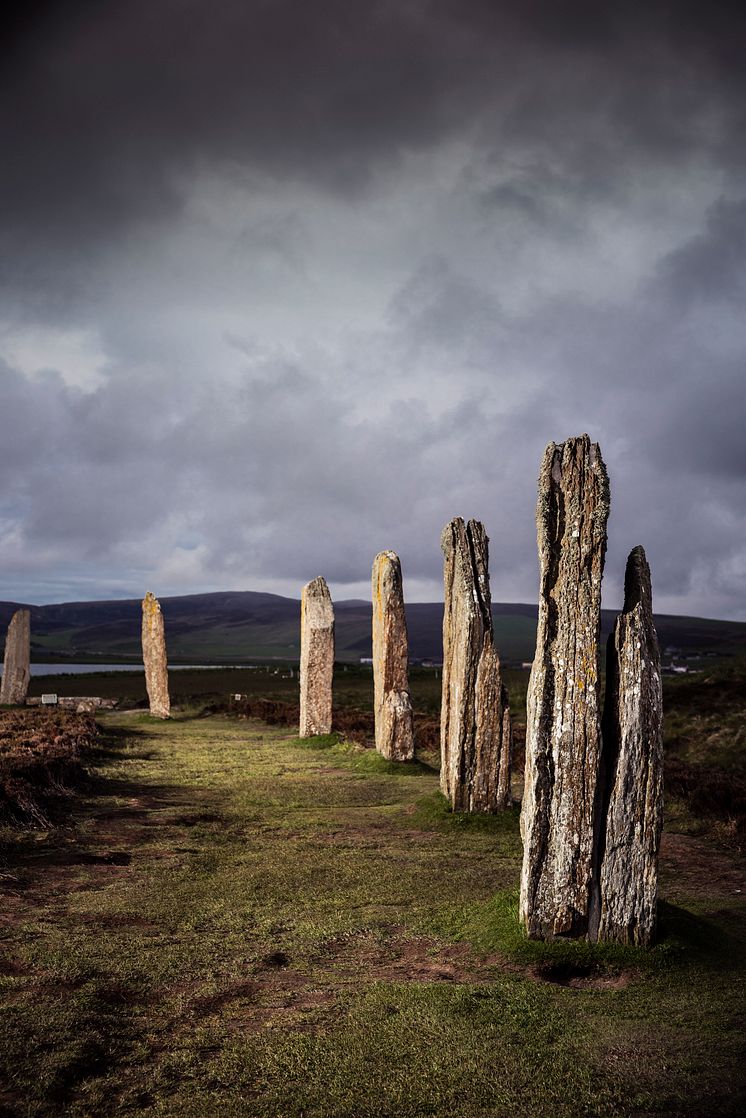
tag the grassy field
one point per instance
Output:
(353, 685)
(232, 921)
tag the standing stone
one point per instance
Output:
(631, 800)
(563, 733)
(392, 703)
(316, 658)
(154, 657)
(16, 666)
(475, 726)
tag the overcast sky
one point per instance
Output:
(283, 284)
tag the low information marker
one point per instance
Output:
(49, 700)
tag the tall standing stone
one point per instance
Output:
(392, 702)
(16, 665)
(316, 658)
(154, 657)
(631, 798)
(563, 734)
(475, 725)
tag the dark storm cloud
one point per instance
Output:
(712, 266)
(105, 106)
(108, 110)
(285, 283)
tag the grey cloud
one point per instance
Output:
(316, 343)
(516, 194)
(106, 109)
(712, 265)
(273, 474)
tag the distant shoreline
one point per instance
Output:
(95, 669)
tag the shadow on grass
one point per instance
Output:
(102, 754)
(684, 939)
(119, 733)
(683, 933)
(124, 812)
(149, 795)
(112, 839)
(359, 757)
(434, 813)
(107, 753)
(67, 1053)
(110, 747)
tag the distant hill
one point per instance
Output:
(232, 627)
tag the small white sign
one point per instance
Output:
(49, 700)
(237, 698)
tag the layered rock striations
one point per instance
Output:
(316, 658)
(630, 803)
(392, 703)
(475, 727)
(16, 664)
(563, 734)
(154, 657)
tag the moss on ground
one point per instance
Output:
(240, 922)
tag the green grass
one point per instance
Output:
(237, 921)
(317, 741)
(353, 686)
(705, 716)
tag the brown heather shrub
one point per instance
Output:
(709, 792)
(40, 759)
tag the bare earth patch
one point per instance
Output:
(693, 866)
(213, 927)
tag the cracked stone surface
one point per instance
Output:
(316, 658)
(475, 728)
(16, 664)
(155, 657)
(392, 703)
(563, 734)
(631, 800)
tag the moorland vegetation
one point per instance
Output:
(228, 919)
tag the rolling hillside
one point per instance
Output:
(232, 627)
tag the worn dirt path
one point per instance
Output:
(232, 923)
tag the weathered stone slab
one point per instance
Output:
(563, 734)
(16, 664)
(154, 657)
(316, 658)
(392, 702)
(475, 727)
(631, 778)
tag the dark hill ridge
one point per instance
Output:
(233, 626)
